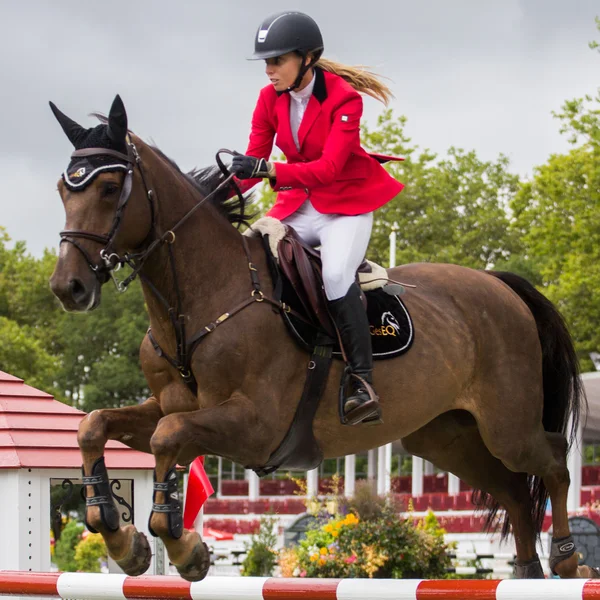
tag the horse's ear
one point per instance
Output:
(73, 130)
(117, 121)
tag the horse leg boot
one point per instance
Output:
(350, 317)
(134, 426)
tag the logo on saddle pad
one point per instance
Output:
(389, 325)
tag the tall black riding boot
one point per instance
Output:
(353, 325)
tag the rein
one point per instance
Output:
(112, 261)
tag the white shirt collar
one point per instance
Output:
(304, 94)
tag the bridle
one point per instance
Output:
(110, 260)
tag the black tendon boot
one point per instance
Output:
(351, 321)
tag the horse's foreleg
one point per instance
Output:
(134, 426)
(230, 429)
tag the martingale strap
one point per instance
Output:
(185, 349)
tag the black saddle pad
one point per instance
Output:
(392, 331)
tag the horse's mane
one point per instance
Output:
(206, 180)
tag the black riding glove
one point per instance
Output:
(248, 167)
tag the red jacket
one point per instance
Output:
(331, 168)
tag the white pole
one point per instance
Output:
(371, 464)
(349, 475)
(417, 476)
(253, 484)
(312, 483)
(384, 469)
(453, 485)
(219, 476)
(393, 249)
(384, 454)
(574, 464)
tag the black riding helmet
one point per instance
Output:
(289, 32)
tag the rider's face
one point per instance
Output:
(283, 70)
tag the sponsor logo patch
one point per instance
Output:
(79, 173)
(566, 547)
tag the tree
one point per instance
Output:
(557, 216)
(451, 210)
(90, 361)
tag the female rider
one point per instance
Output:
(329, 186)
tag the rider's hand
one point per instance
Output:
(248, 167)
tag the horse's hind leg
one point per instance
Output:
(134, 426)
(543, 454)
(563, 556)
(453, 443)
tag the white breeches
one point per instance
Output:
(343, 240)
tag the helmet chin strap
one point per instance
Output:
(302, 72)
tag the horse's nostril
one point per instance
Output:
(78, 292)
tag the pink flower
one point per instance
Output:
(302, 573)
(350, 559)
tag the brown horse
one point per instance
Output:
(486, 392)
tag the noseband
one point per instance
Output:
(110, 260)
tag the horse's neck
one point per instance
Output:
(208, 258)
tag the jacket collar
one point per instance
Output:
(313, 109)
(320, 89)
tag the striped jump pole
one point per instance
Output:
(92, 586)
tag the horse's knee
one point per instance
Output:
(91, 435)
(166, 437)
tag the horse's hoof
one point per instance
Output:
(585, 572)
(567, 568)
(138, 558)
(197, 566)
(531, 569)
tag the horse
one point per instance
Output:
(486, 392)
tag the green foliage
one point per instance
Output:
(452, 209)
(557, 217)
(378, 544)
(89, 552)
(261, 556)
(90, 361)
(64, 552)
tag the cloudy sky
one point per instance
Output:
(481, 75)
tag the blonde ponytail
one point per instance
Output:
(360, 78)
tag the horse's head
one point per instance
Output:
(106, 210)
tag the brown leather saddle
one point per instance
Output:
(301, 264)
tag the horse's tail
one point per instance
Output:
(564, 397)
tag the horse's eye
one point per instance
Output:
(109, 189)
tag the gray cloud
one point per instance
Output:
(477, 75)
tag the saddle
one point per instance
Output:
(301, 265)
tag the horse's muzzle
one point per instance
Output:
(75, 294)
